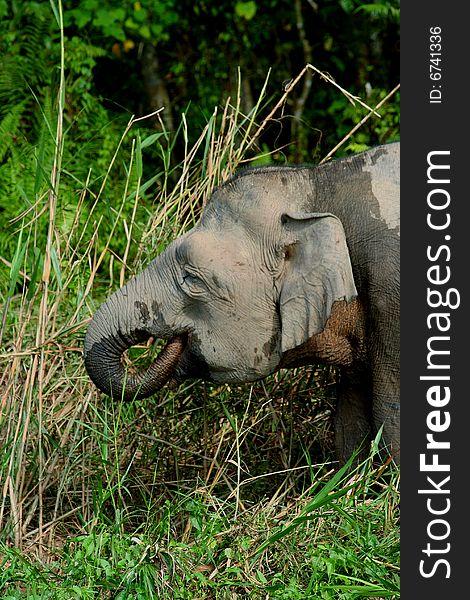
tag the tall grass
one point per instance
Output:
(201, 491)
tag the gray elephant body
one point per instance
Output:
(287, 266)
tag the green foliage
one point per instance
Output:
(201, 45)
(384, 10)
(246, 10)
(145, 20)
(200, 49)
(28, 120)
(218, 552)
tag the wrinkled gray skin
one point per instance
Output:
(287, 266)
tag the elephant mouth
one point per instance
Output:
(163, 368)
(191, 364)
(179, 360)
(121, 377)
(104, 362)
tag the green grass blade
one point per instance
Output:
(326, 495)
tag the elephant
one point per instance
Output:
(287, 266)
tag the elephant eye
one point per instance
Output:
(289, 251)
(192, 284)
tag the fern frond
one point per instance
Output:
(10, 129)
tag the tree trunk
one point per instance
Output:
(157, 93)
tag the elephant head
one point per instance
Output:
(256, 278)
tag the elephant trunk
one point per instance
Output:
(110, 334)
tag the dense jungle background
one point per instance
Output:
(117, 120)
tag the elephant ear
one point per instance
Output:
(318, 272)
